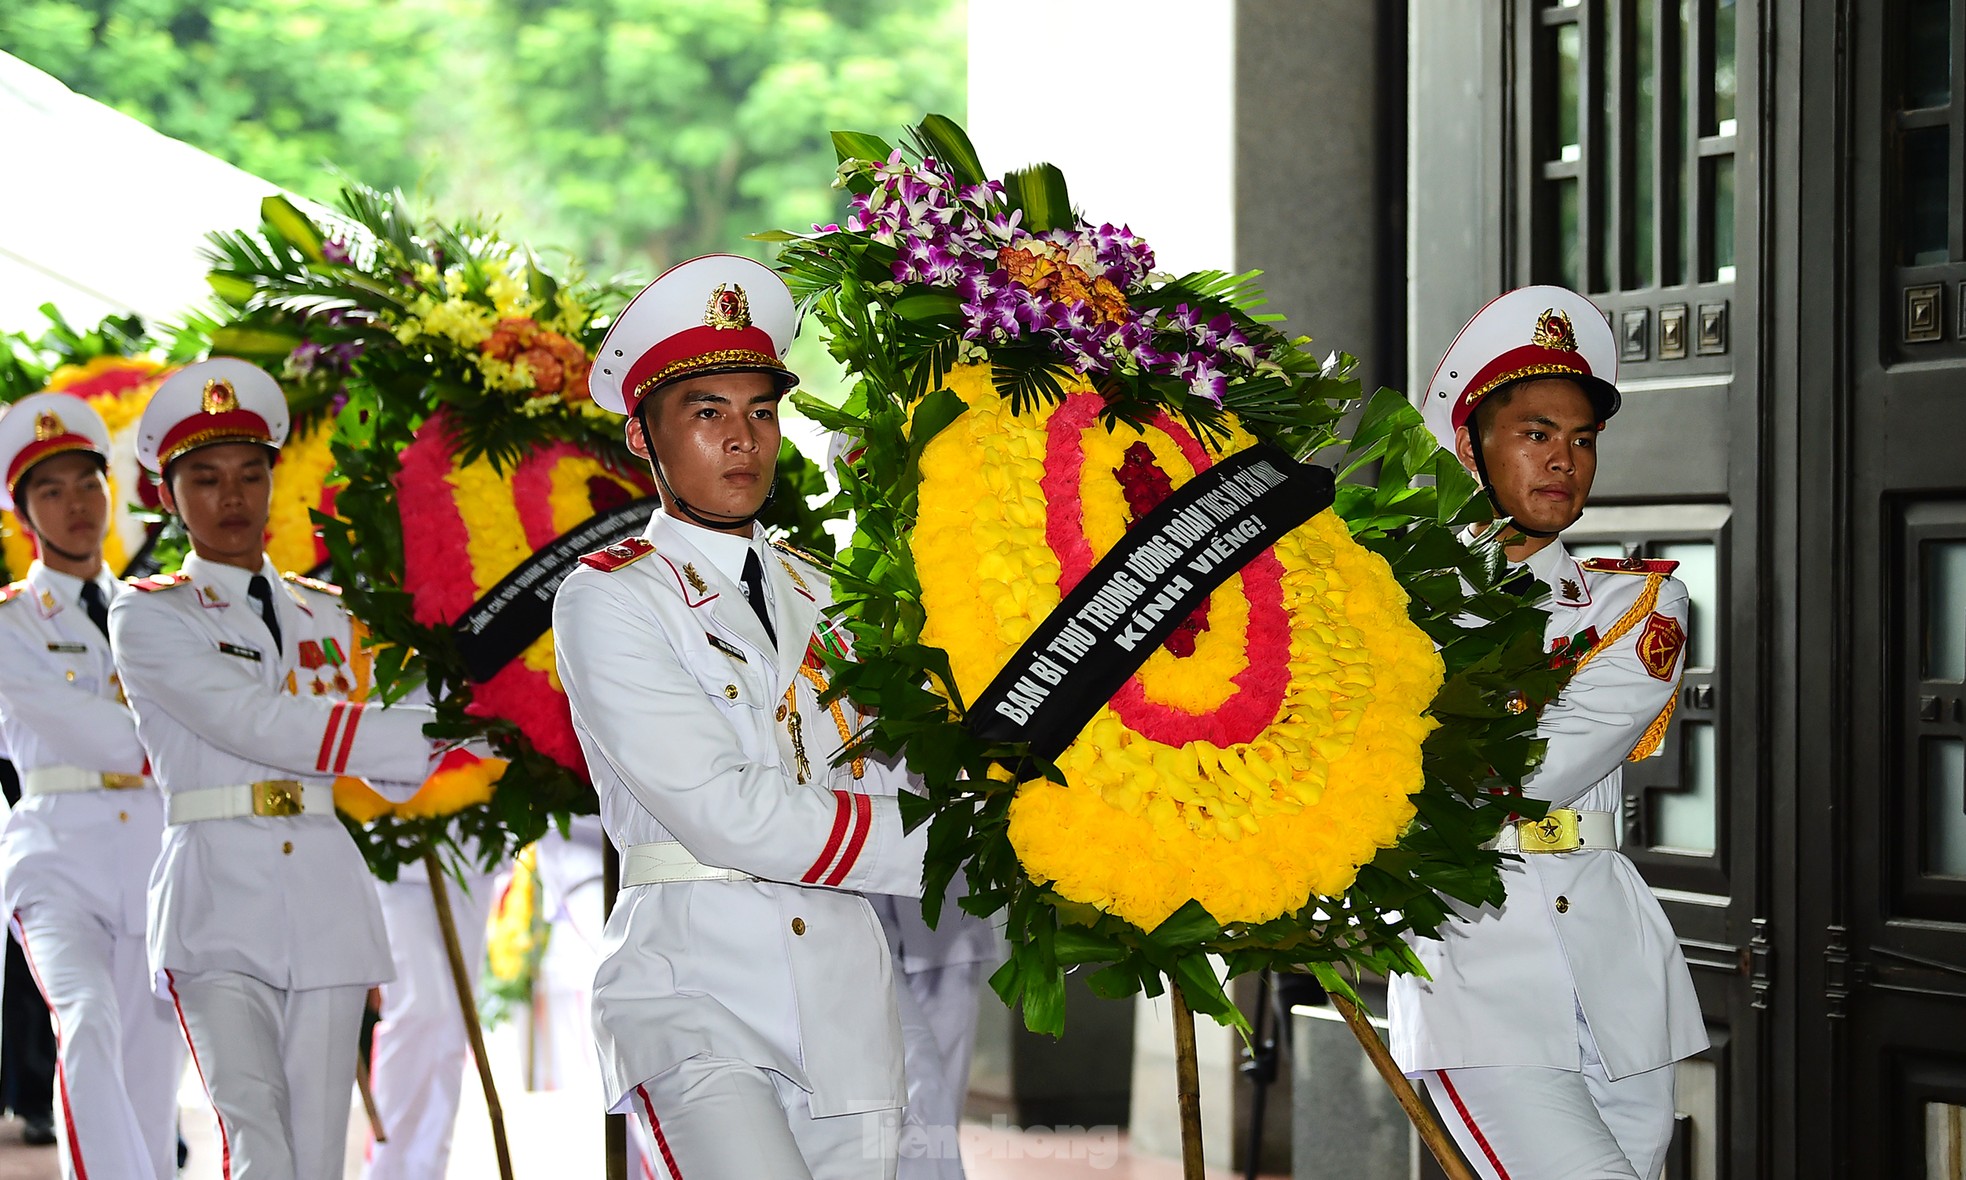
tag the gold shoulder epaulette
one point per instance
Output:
(312, 583)
(619, 555)
(11, 591)
(158, 582)
(1629, 565)
(811, 559)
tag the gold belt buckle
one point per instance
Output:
(1556, 832)
(112, 781)
(276, 797)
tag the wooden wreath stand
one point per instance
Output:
(1188, 1089)
(467, 1004)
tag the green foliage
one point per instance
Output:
(27, 360)
(293, 287)
(633, 134)
(898, 341)
(286, 89)
(301, 293)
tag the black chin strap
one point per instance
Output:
(1488, 488)
(20, 510)
(714, 521)
(64, 554)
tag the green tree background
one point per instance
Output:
(628, 133)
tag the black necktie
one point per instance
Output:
(261, 591)
(754, 590)
(1522, 584)
(97, 606)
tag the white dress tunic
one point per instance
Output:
(1506, 980)
(699, 729)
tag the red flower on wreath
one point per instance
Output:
(1260, 686)
(1146, 485)
(442, 577)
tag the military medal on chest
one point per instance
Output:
(324, 660)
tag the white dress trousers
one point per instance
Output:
(939, 973)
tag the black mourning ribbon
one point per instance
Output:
(261, 591)
(510, 616)
(754, 592)
(1139, 592)
(97, 606)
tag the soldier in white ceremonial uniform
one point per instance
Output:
(941, 973)
(264, 929)
(77, 851)
(1549, 1028)
(745, 1007)
(420, 1050)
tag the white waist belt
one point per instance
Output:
(278, 797)
(653, 864)
(1563, 830)
(67, 780)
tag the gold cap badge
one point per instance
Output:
(1553, 331)
(220, 398)
(48, 425)
(729, 307)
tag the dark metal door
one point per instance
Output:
(1882, 922)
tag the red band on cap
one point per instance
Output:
(697, 348)
(1531, 360)
(45, 448)
(205, 429)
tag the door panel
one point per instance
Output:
(1895, 944)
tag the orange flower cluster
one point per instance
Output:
(1045, 269)
(557, 364)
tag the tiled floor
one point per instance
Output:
(555, 1135)
(21, 1162)
(988, 1154)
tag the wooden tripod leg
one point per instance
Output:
(1187, 1083)
(1431, 1132)
(467, 1002)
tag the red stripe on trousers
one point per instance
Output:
(327, 736)
(1480, 1139)
(61, 1070)
(863, 823)
(354, 718)
(661, 1140)
(841, 813)
(224, 1140)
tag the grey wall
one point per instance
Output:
(1319, 179)
(1457, 153)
